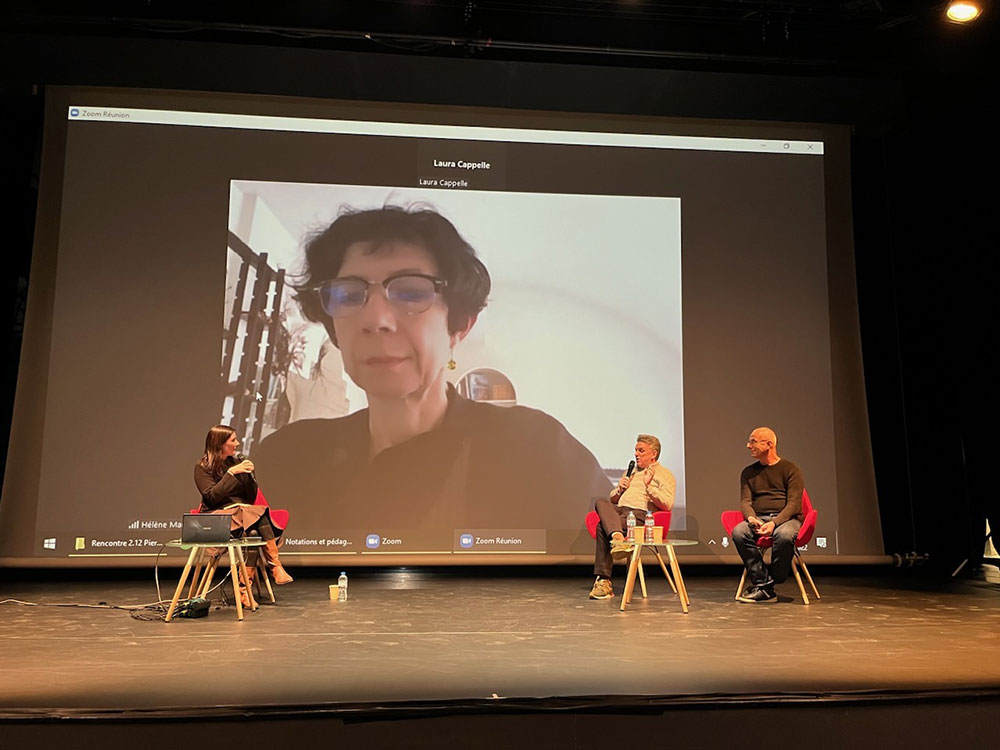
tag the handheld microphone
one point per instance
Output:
(240, 457)
(631, 468)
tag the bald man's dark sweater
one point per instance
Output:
(777, 488)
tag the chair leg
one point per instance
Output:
(743, 580)
(250, 557)
(805, 569)
(263, 576)
(241, 566)
(798, 580)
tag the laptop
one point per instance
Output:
(205, 528)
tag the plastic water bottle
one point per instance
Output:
(649, 525)
(630, 525)
(342, 587)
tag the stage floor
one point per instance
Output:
(439, 638)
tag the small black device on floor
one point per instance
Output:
(196, 607)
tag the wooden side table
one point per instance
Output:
(635, 566)
(237, 567)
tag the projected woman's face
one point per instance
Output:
(388, 352)
(229, 447)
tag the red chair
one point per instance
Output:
(279, 518)
(730, 519)
(661, 518)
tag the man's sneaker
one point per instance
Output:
(760, 596)
(621, 550)
(602, 589)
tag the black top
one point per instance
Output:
(484, 467)
(228, 489)
(772, 489)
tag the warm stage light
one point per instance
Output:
(963, 11)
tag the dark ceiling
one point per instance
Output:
(856, 37)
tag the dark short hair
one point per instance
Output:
(468, 281)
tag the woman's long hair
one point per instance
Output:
(212, 459)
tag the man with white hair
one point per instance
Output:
(650, 489)
(771, 501)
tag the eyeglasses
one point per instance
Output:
(755, 441)
(410, 293)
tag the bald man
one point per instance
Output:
(771, 501)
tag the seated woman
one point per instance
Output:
(227, 485)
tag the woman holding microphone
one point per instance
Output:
(227, 485)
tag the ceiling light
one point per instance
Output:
(963, 11)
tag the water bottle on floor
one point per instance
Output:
(342, 587)
(630, 525)
(649, 525)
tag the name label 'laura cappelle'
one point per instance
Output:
(469, 165)
(430, 182)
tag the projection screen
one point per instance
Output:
(692, 280)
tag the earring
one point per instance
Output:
(451, 362)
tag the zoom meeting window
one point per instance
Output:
(307, 280)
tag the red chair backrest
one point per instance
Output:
(808, 522)
(662, 518)
(730, 518)
(278, 517)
